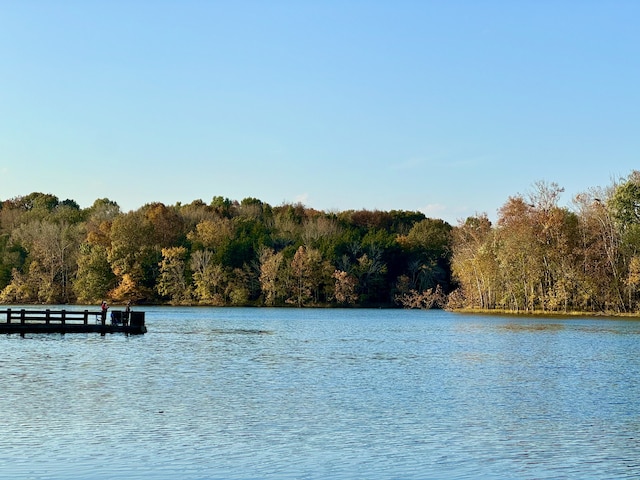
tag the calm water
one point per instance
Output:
(287, 393)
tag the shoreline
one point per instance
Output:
(545, 313)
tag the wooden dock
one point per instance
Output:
(70, 321)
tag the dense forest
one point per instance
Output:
(539, 256)
(221, 253)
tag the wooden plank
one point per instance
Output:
(68, 328)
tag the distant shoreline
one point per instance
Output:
(462, 311)
(543, 313)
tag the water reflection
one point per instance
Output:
(536, 327)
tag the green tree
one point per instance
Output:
(624, 205)
(102, 210)
(133, 257)
(173, 275)
(427, 244)
(12, 257)
(239, 286)
(94, 278)
(370, 269)
(222, 206)
(625, 201)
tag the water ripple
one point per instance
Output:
(246, 393)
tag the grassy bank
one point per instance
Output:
(544, 313)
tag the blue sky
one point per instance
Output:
(446, 107)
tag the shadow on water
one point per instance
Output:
(531, 327)
(239, 331)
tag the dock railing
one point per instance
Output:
(47, 316)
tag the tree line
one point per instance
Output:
(543, 257)
(539, 255)
(220, 253)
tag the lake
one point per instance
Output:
(239, 393)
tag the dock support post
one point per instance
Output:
(8, 315)
(22, 314)
(47, 316)
(86, 317)
(63, 315)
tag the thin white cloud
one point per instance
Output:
(434, 210)
(444, 160)
(302, 198)
(447, 213)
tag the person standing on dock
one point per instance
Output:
(104, 309)
(127, 311)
